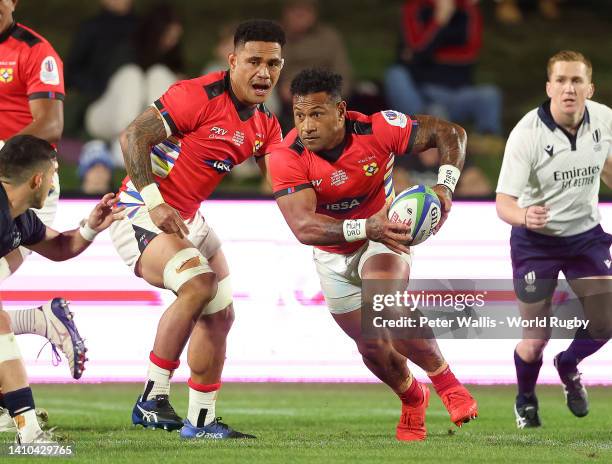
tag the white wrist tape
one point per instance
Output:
(1, 144)
(151, 196)
(87, 232)
(354, 229)
(448, 175)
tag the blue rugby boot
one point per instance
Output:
(216, 430)
(156, 413)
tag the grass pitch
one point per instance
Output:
(307, 423)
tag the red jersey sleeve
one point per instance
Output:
(44, 73)
(287, 172)
(395, 131)
(181, 107)
(273, 138)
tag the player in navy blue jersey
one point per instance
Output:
(27, 167)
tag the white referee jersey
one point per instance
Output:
(545, 165)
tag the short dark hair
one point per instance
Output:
(259, 30)
(22, 155)
(315, 80)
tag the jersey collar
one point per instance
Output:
(244, 111)
(6, 34)
(546, 117)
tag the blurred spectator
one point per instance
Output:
(508, 11)
(156, 63)
(225, 46)
(441, 41)
(100, 47)
(95, 168)
(310, 44)
(422, 169)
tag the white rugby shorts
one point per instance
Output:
(340, 275)
(125, 236)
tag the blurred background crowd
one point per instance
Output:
(477, 63)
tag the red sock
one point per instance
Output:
(444, 380)
(164, 363)
(413, 396)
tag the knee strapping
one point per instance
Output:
(9, 350)
(175, 276)
(222, 299)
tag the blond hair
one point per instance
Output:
(569, 55)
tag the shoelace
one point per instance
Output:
(56, 359)
(165, 403)
(219, 423)
(454, 396)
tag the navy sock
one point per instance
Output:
(19, 401)
(526, 376)
(581, 347)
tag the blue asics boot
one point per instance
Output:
(156, 413)
(216, 430)
(62, 332)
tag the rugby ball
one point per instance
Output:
(419, 208)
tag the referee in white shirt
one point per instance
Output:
(548, 191)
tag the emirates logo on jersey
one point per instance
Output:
(370, 169)
(6, 75)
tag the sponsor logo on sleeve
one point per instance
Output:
(49, 72)
(395, 118)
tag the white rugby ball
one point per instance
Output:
(419, 208)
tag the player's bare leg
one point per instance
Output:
(175, 325)
(16, 393)
(206, 358)
(393, 272)
(595, 294)
(528, 361)
(388, 365)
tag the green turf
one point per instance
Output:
(326, 423)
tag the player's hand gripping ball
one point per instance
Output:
(419, 208)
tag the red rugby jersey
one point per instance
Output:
(211, 133)
(29, 69)
(354, 179)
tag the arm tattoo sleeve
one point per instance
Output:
(144, 132)
(449, 138)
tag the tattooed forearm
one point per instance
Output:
(449, 138)
(144, 132)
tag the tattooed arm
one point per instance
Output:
(146, 131)
(450, 140)
(447, 137)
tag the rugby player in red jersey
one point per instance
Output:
(331, 179)
(31, 103)
(176, 152)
